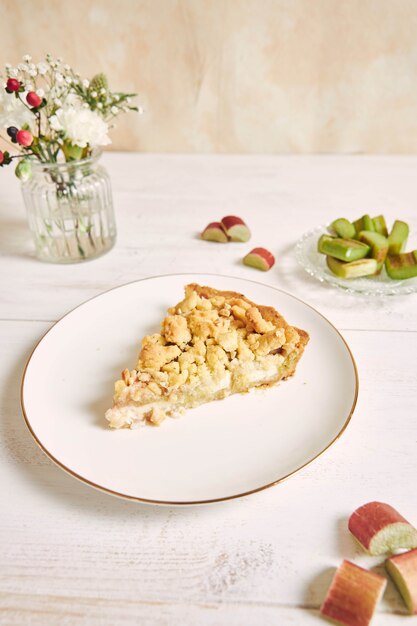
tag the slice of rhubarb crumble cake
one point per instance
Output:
(212, 344)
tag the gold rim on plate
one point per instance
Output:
(191, 502)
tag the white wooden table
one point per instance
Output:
(70, 555)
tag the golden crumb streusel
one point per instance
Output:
(207, 333)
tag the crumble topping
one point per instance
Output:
(206, 334)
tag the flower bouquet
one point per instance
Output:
(56, 123)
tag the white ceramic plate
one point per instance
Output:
(219, 451)
(315, 264)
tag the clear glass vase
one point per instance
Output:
(70, 210)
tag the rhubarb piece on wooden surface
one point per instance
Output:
(353, 595)
(260, 258)
(403, 570)
(214, 232)
(236, 228)
(380, 529)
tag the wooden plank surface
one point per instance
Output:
(72, 555)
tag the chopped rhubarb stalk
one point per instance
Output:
(353, 595)
(403, 570)
(380, 529)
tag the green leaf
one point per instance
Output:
(72, 153)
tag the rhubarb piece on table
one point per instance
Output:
(353, 595)
(403, 570)
(354, 269)
(378, 244)
(260, 258)
(343, 228)
(380, 529)
(380, 225)
(214, 232)
(236, 228)
(397, 238)
(343, 249)
(364, 223)
(402, 266)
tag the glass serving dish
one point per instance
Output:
(314, 264)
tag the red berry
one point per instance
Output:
(24, 137)
(33, 99)
(13, 84)
(1, 157)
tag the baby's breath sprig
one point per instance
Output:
(54, 113)
(97, 95)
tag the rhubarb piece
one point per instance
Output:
(380, 529)
(343, 228)
(236, 228)
(353, 595)
(354, 269)
(342, 249)
(397, 238)
(324, 238)
(403, 570)
(363, 223)
(378, 244)
(214, 232)
(260, 258)
(401, 266)
(380, 225)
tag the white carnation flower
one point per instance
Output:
(13, 112)
(81, 126)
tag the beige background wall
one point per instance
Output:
(239, 75)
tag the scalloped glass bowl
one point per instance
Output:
(314, 264)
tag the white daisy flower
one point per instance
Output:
(42, 68)
(81, 127)
(86, 83)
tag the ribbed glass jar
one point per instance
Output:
(70, 210)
